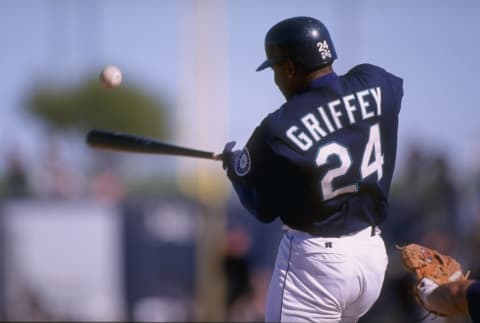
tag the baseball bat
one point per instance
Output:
(110, 140)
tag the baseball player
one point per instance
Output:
(455, 298)
(322, 163)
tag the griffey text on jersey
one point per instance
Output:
(332, 116)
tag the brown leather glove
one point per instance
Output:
(428, 263)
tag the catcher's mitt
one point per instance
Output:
(428, 263)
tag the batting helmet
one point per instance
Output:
(304, 40)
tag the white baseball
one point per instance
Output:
(111, 76)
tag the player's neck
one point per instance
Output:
(302, 80)
(319, 73)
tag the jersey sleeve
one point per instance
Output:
(376, 72)
(253, 158)
(397, 90)
(249, 175)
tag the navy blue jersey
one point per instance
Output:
(323, 162)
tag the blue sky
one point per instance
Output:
(432, 45)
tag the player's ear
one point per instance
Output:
(290, 69)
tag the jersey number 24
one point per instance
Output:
(372, 162)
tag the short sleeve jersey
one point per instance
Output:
(323, 162)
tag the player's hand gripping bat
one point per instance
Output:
(110, 140)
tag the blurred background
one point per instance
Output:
(89, 235)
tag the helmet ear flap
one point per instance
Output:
(304, 40)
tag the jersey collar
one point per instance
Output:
(324, 80)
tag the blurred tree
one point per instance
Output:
(124, 109)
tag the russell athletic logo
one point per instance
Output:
(324, 50)
(242, 163)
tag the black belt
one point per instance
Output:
(325, 234)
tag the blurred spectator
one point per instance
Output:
(473, 216)
(425, 203)
(441, 214)
(247, 283)
(16, 181)
(58, 182)
(237, 269)
(105, 182)
(407, 206)
(108, 186)
(250, 306)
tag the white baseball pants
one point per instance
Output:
(320, 279)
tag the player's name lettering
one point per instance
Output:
(331, 117)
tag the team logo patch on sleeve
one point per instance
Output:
(242, 163)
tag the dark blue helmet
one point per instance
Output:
(304, 40)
